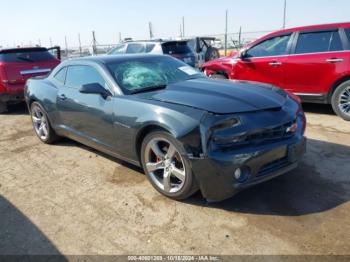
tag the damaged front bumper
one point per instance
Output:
(217, 173)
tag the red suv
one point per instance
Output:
(19, 64)
(312, 62)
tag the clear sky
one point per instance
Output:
(25, 22)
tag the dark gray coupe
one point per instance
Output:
(188, 132)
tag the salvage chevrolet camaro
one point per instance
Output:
(188, 132)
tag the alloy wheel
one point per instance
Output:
(344, 101)
(165, 165)
(40, 123)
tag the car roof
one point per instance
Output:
(21, 49)
(161, 41)
(107, 59)
(313, 27)
(301, 28)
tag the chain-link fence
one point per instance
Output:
(234, 42)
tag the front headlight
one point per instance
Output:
(227, 123)
(223, 134)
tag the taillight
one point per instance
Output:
(2, 88)
(3, 80)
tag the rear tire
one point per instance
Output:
(212, 54)
(41, 124)
(167, 167)
(341, 100)
(3, 107)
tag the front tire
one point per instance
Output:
(41, 124)
(341, 100)
(167, 167)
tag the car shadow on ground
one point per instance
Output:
(17, 109)
(318, 109)
(20, 237)
(300, 192)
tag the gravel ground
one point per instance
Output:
(69, 199)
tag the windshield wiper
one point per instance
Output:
(148, 89)
(25, 59)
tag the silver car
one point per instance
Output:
(177, 49)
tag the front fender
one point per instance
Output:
(180, 121)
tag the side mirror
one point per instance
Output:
(95, 88)
(243, 54)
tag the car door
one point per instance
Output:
(86, 116)
(264, 62)
(317, 61)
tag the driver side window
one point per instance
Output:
(275, 46)
(77, 76)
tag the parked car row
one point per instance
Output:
(177, 49)
(192, 51)
(312, 62)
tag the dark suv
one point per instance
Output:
(178, 49)
(17, 66)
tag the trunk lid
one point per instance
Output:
(19, 64)
(19, 73)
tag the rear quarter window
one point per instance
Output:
(61, 75)
(318, 42)
(150, 47)
(135, 48)
(26, 55)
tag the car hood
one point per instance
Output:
(221, 97)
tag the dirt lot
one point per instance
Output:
(69, 199)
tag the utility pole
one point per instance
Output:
(181, 35)
(80, 48)
(150, 30)
(284, 14)
(183, 27)
(94, 43)
(39, 42)
(240, 37)
(66, 43)
(226, 28)
(50, 41)
(120, 37)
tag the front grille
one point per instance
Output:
(275, 133)
(261, 136)
(273, 166)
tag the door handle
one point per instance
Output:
(275, 63)
(334, 60)
(62, 97)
